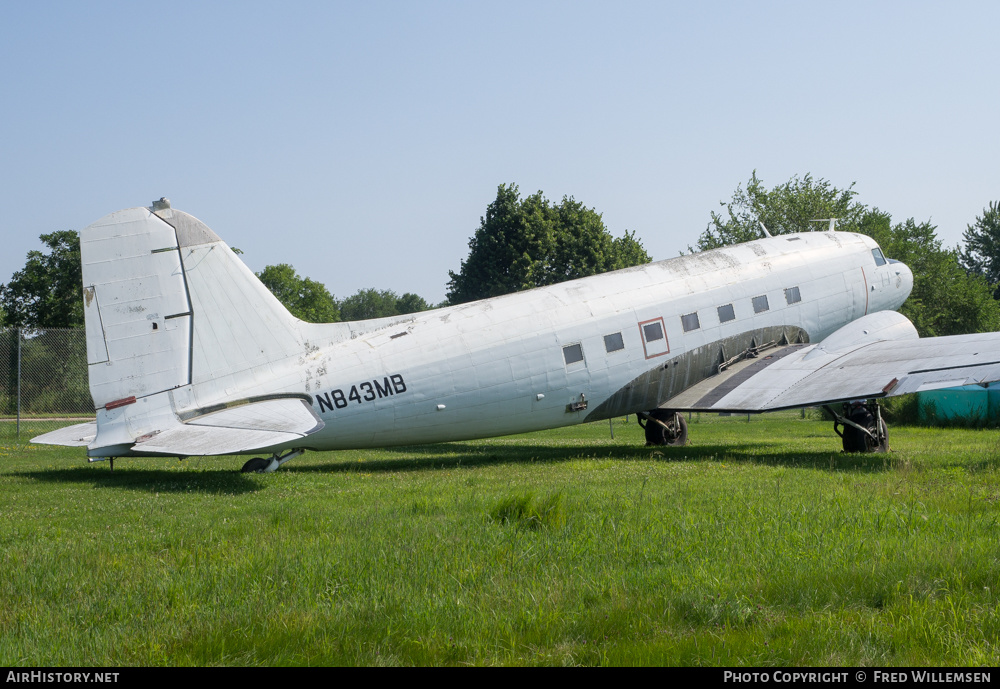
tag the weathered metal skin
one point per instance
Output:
(679, 373)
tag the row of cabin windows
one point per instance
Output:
(654, 331)
(690, 321)
(573, 354)
(727, 313)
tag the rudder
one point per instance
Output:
(168, 304)
(136, 307)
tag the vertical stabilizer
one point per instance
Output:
(168, 304)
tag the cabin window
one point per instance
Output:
(690, 322)
(760, 304)
(613, 342)
(792, 295)
(654, 338)
(573, 354)
(726, 313)
(879, 258)
(653, 331)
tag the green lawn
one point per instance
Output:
(759, 544)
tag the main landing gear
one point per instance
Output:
(864, 428)
(664, 427)
(262, 465)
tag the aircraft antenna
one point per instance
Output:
(832, 221)
(766, 233)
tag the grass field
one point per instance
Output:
(759, 544)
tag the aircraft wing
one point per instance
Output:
(877, 356)
(78, 435)
(256, 426)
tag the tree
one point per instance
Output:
(411, 303)
(788, 207)
(532, 242)
(981, 255)
(369, 303)
(578, 243)
(306, 299)
(48, 292)
(628, 251)
(373, 303)
(500, 253)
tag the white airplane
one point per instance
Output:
(189, 354)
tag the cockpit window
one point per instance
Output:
(879, 258)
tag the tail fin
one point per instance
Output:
(168, 304)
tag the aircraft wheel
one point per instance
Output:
(675, 434)
(856, 441)
(257, 465)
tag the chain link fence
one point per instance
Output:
(43, 377)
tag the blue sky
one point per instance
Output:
(361, 142)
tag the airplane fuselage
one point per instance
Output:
(588, 349)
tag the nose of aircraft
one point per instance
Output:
(903, 281)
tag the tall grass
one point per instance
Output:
(759, 544)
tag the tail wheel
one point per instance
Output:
(257, 465)
(671, 430)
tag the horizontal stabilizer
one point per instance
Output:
(251, 427)
(78, 435)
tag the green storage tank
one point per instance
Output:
(970, 404)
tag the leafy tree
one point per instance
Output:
(306, 299)
(48, 292)
(532, 242)
(411, 303)
(369, 303)
(373, 303)
(628, 251)
(981, 255)
(788, 207)
(500, 253)
(310, 301)
(578, 243)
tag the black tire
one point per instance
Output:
(674, 436)
(257, 465)
(856, 441)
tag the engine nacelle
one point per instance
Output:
(875, 327)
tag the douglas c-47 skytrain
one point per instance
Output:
(189, 354)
